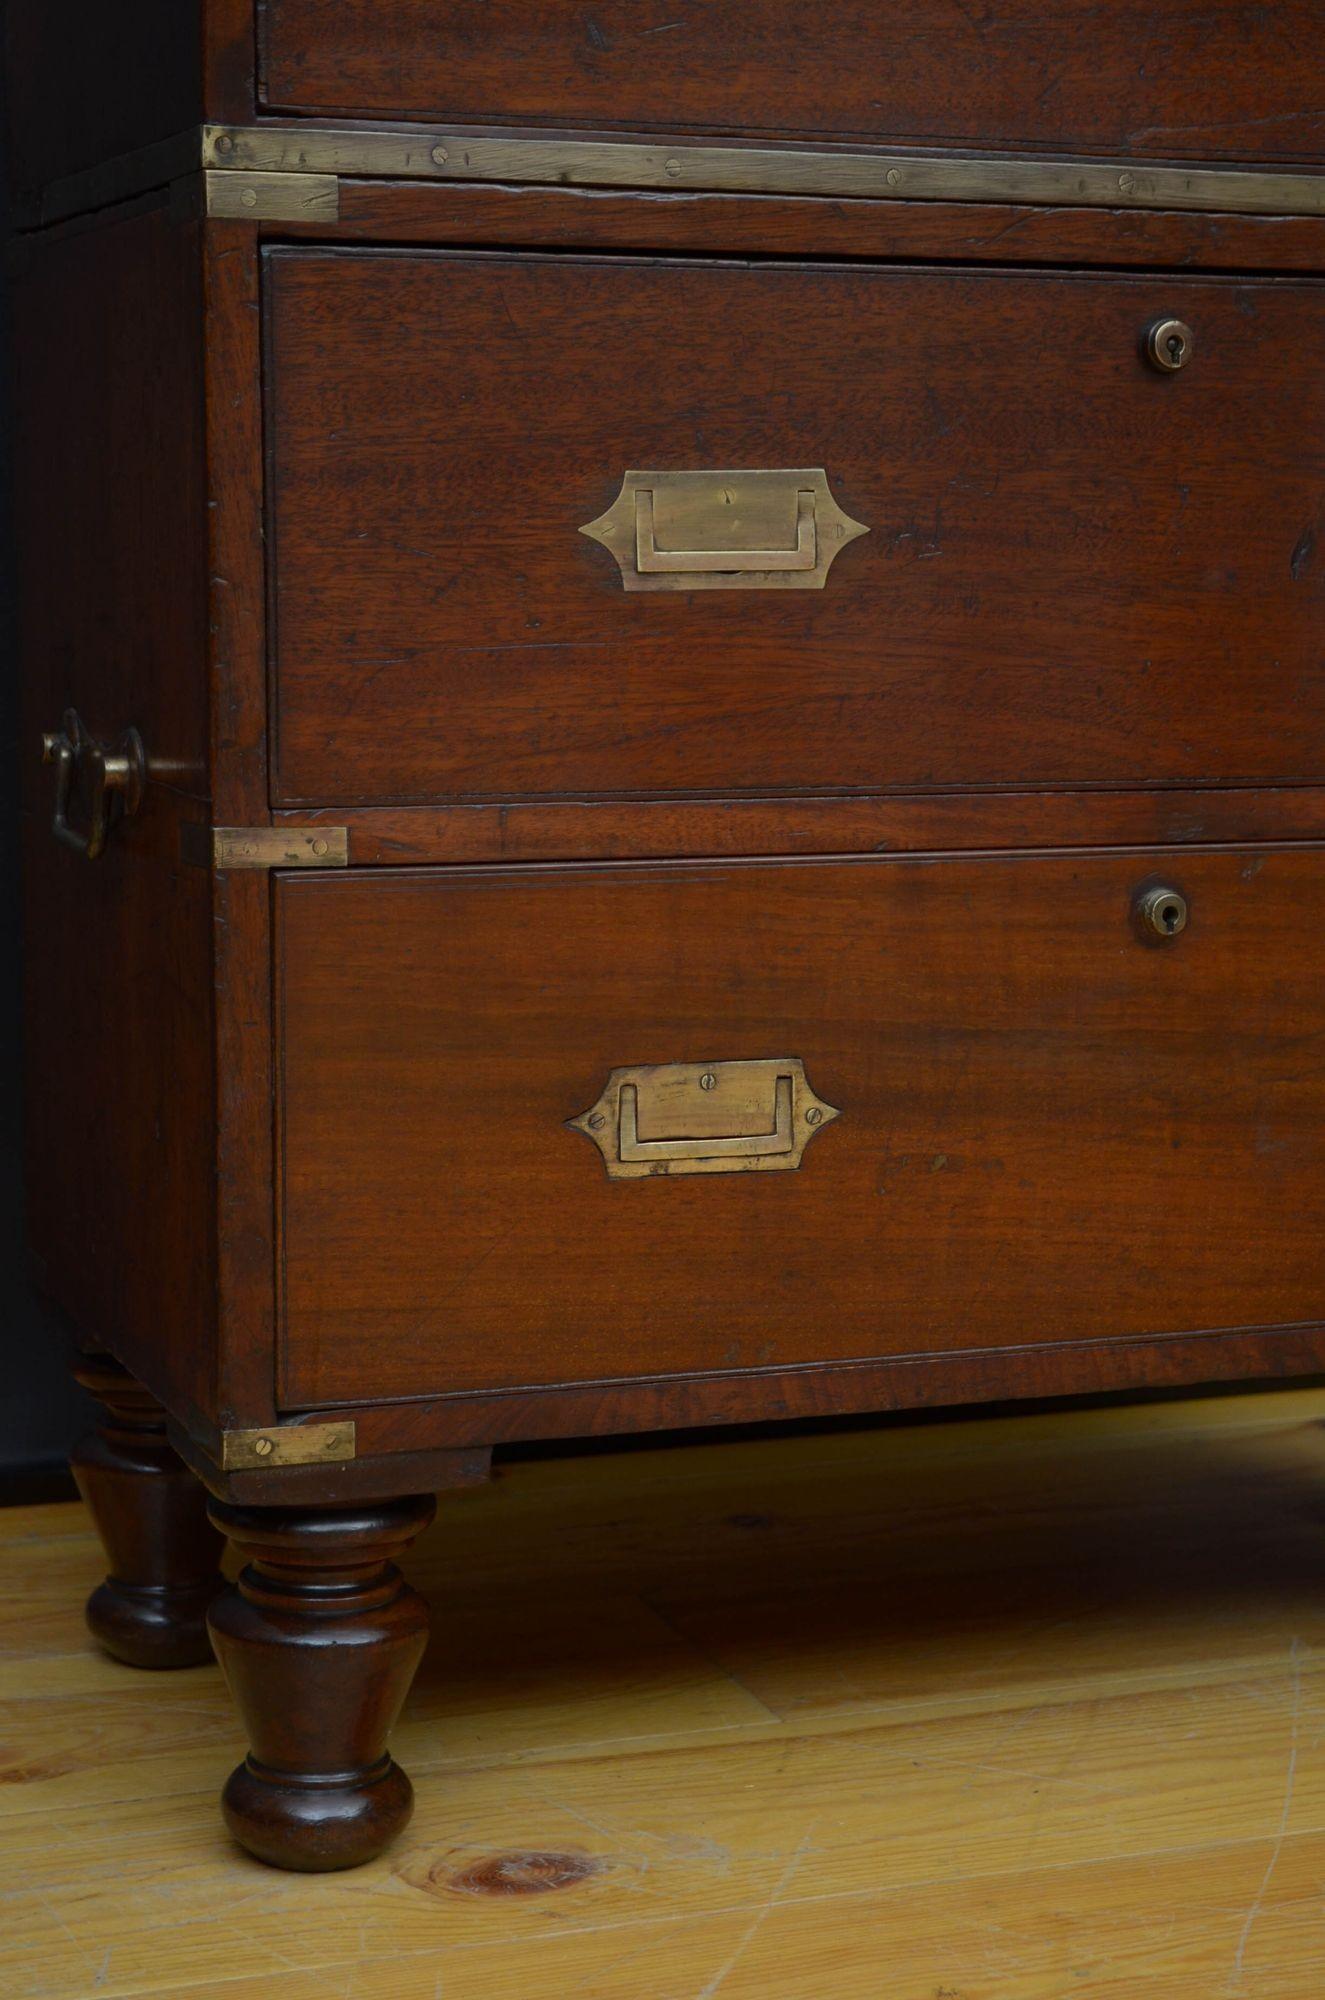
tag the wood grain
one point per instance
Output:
(1183, 82)
(1078, 571)
(236, 683)
(118, 973)
(652, 829)
(1012, 1707)
(808, 226)
(1050, 1132)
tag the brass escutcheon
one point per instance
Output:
(1161, 912)
(1170, 344)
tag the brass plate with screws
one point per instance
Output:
(273, 197)
(287, 1444)
(381, 152)
(319, 153)
(280, 847)
(664, 1119)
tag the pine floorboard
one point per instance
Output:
(1014, 1708)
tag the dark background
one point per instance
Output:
(40, 1409)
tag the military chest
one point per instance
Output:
(677, 727)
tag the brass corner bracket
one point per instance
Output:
(271, 197)
(276, 847)
(287, 1444)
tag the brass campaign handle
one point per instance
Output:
(747, 1146)
(708, 1118)
(752, 528)
(111, 779)
(651, 560)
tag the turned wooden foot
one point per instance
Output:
(151, 1514)
(319, 1641)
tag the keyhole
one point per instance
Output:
(1168, 345)
(1162, 913)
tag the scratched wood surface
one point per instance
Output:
(1005, 1709)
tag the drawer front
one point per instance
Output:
(571, 1124)
(1078, 569)
(1184, 80)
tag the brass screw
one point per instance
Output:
(708, 1081)
(249, 197)
(440, 156)
(813, 1115)
(263, 1447)
(319, 845)
(1126, 182)
(224, 143)
(597, 1122)
(894, 175)
(673, 169)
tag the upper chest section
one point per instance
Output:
(1180, 79)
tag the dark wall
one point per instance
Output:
(40, 1409)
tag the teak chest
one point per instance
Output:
(681, 686)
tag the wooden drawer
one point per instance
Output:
(1048, 1130)
(1179, 81)
(1079, 570)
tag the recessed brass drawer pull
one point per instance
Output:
(744, 1146)
(705, 1118)
(653, 560)
(752, 530)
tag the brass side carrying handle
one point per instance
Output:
(705, 1118)
(765, 529)
(110, 777)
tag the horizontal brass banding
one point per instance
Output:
(381, 153)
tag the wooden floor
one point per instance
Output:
(1016, 1709)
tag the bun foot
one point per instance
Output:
(151, 1514)
(319, 1639)
(316, 1825)
(150, 1625)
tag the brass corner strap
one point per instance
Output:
(271, 197)
(266, 846)
(287, 1444)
